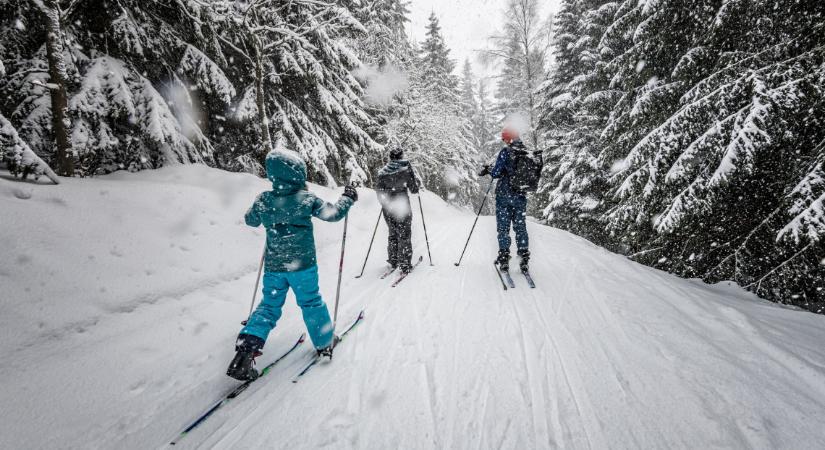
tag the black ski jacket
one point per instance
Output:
(394, 181)
(397, 177)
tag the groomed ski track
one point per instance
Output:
(604, 353)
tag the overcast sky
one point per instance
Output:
(466, 24)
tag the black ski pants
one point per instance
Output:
(399, 247)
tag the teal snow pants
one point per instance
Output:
(305, 285)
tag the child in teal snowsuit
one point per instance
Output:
(290, 260)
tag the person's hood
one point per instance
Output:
(287, 171)
(395, 166)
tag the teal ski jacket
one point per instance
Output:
(287, 211)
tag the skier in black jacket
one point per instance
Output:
(395, 180)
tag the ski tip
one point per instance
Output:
(361, 314)
(302, 338)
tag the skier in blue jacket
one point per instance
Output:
(290, 260)
(511, 202)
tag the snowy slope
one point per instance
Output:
(122, 296)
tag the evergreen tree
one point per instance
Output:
(431, 126)
(574, 181)
(150, 83)
(18, 158)
(386, 54)
(470, 106)
(696, 126)
(522, 48)
(437, 66)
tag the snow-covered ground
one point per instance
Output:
(122, 295)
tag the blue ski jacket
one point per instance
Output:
(287, 211)
(504, 168)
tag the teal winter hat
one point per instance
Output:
(286, 169)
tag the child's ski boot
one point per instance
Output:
(242, 368)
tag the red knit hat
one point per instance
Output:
(508, 134)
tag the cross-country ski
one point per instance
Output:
(406, 273)
(505, 277)
(529, 279)
(318, 357)
(388, 272)
(236, 392)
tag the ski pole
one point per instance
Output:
(340, 274)
(380, 213)
(257, 283)
(424, 222)
(483, 202)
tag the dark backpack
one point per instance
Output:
(526, 170)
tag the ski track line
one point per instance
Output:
(428, 380)
(554, 414)
(484, 394)
(553, 343)
(457, 342)
(610, 350)
(558, 422)
(380, 372)
(574, 395)
(526, 388)
(549, 341)
(622, 356)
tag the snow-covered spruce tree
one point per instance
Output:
(521, 48)
(159, 82)
(642, 71)
(555, 109)
(430, 126)
(102, 137)
(578, 100)
(387, 55)
(481, 128)
(485, 121)
(716, 140)
(299, 89)
(437, 66)
(18, 158)
(385, 41)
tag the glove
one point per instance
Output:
(349, 191)
(485, 170)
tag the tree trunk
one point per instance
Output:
(266, 144)
(57, 89)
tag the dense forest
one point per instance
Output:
(685, 134)
(690, 136)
